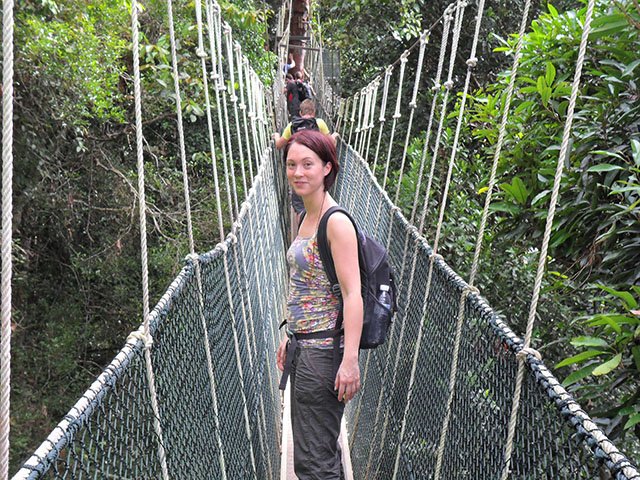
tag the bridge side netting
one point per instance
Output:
(552, 441)
(109, 433)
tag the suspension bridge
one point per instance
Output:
(453, 393)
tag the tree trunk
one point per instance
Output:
(298, 32)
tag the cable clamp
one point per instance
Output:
(525, 351)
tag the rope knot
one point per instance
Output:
(232, 236)
(468, 290)
(436, 87)
(200, 52)
(472, 62)
(237, 225)
(525, 351)
(223, 246)
(141, 335)
(397, 115)
(436, 256)
(192, 257)
(448, 84)
(395, 209)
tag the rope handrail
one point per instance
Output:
(240, 317)
(7, 233)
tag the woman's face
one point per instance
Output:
(305, 170)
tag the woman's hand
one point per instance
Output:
(281, 354)
(348, 379)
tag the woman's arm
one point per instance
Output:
(344, 249)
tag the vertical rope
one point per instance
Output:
(462, 4)
(353, 113)
(383, 111)
(448, 15)
(234, 102)
(241, 62)
(148, 340)
(223, 114)
(213, 24)
(7, 228)
(396, 116)
(564, 151)
(374, 103)
(412, 106)
(436, 90)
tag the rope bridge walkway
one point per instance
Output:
(453, 393)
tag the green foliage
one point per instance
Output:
(77, 282)
(72, 61)
(599, 208)
(609, 361)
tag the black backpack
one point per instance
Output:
(375, 271)
(304, 91)
(301, 123)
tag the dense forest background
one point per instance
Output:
(76, 240)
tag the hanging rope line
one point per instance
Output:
(564, 149)
(147, 338)
(7, 233)
(214, 340)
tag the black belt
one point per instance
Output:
(292, 346)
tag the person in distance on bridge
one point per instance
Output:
(306, 121)
(318, 392)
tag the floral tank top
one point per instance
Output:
(312, 306)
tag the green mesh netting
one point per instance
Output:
(551, 441)
(110, 434)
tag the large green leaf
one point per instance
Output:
(579, 358)
(589, 342)
(633, 421)
(604, 167)
(626, 297)
(579, 375)
(607, 366)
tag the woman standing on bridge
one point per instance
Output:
(318, 392)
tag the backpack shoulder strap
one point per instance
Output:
(323, 244)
